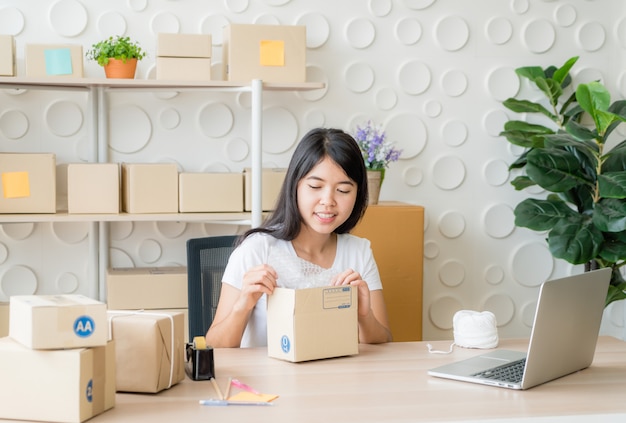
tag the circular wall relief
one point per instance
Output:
(317, 74)
(503, 83)
(4, 253)
(586, 75)
(70, 232)
(452, 224)
(528, 313)
(359, 77)
(120, 231)
(276, 2)
(408, 31)
(237, 6)
(494, 121)
(454, 83)
(360, 33)
(520, 6)
(266, 19)
(380, 8)
(67, 17)
(413, 176)
(64, 118)
(17, 231)
(499, 30)
(150, 251)
(214, 25)
(454, 133)
(502, 306)
(317, 29)
(620, 32)
(130, 129)
(397, 128)
(431, 250)
(418, 4)
(215, 120)
(441, 312)
(448, 172)
(414, 77)
(565, 15)
(217, 167)
(452, 273)
(494, 275)
(120, 258)
(111, 23)
(432, 108)
(236, 149)
(171, 230)
(452, 33)
(18, 280)
(496, 172)
(11, 20)
(591, 36)
(538, 36)
(14, 124)
(386, 98)
(281, 127)
(314, 119)
(169, 118)
(137, 5)
(164, 22)
(532, 264)
(499, 221)
(67, 283)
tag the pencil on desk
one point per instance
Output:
(217, 389)
(230, 382)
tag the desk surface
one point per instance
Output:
(383, 383)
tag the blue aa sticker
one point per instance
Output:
(285, 344)
(89, 390)
(84, 326)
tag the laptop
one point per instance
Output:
(563, 338)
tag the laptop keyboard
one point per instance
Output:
(511, 372)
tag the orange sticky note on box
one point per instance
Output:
(15, 185)
(272, 53)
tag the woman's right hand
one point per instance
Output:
(257, 281)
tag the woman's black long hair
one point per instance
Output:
(285, 222)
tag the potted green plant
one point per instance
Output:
(117, 55)
(584, 212)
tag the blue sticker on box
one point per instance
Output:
(285, 344)
(84, 326)
(58, 61)
(89, 390)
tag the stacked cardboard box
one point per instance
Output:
(88, 187)
(58, 352)
(7, 56)
(58, 60)
(184, 57)
(27, 183)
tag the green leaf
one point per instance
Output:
(576, 241)
(554, 169)
(561, 74)
(579, 131)
(551, 88)
(526, 106)
(612, 185)
(615, 159)
(609, 215)
(595, 99)
(613, 247)
(541, 215)
(530, 72)
(524, 134)
(522, 182)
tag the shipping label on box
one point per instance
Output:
(312, 323)
(149, 349)
(183, 68)
(271, 184)
(27, 183)
(88, 187)
(147, 288)
(57, 321)
(272, 53)
(184, 45)
(149, 188)
(57, 60)
(7, 55)
(67, 385)
(210, 192)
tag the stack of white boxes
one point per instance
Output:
(184, 57)
(57, 354)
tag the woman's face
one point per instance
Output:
(326, 197)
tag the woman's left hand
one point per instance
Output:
(352, 278)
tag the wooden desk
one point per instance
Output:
(383, 383)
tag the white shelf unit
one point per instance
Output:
(98, 111)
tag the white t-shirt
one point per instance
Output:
(259, 248)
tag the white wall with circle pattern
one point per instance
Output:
(433, 72)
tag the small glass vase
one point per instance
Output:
(374, 181)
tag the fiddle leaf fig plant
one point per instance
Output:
(566, 154)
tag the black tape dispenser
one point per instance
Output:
(199, 356)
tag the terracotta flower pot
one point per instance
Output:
(374, 181)
(118, 69)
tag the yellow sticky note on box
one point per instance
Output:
(272, 53)
(15, 185)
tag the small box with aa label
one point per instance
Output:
(57, 321)
(312, 323)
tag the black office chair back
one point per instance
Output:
(206, 260)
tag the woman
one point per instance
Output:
(323, 197)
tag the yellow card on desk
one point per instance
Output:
(249, 396)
